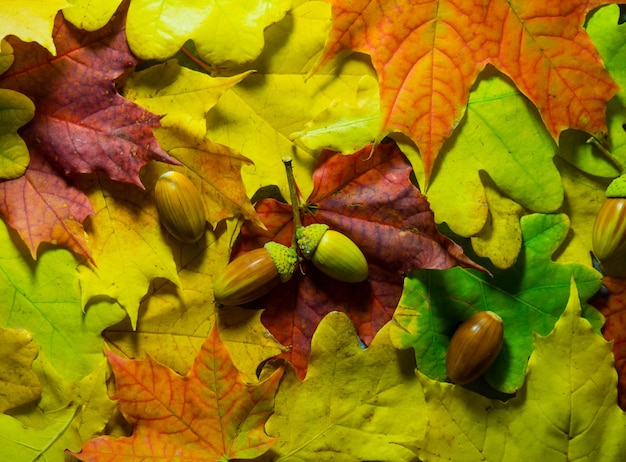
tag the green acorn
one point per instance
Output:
(253, 274)
(180, 207)
(609, 230)
(333, 253)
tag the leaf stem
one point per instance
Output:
(295, 201)
(594, 141)
(200, 63)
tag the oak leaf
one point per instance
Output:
(367, 196)
(565, 411)
(258, 116)
(15, 110)
(230, 30)
(185, 96)
(501, 137)
(30, 21)
(90, 15)
(355, 404)
(434, 303)
(428, 55)
(44, 298)
(209, 414)
(502, 142)
(82, 409)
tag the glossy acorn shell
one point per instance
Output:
(253, 274)
(474, 347)
(608, 237)
(180, 207)
(333, 253)
(248, 277)
(340, 258)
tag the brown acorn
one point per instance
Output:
(180, 207)
(253, 274)
(474, 347)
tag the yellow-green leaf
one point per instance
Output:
(500, 240)
(185, 96)
(345, 126)
(21, 443)
(353, 405)
(503, 136)
(15, 110)
(258, 116)
(89, 400)
(127, 243)
(18, 383)
(31, 21)
(6, 56)
(90, 15)
(230, 30)
(44, 298)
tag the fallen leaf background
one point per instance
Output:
(86, 267)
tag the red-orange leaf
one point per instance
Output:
(613, 308)
(42, 207)
(211, 414)
(369, 197)
(428, 54)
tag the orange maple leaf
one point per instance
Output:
(429, 53)
(210, 414)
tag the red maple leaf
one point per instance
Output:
(210, 414)
(613, 308)
(428, 54)
(368, 197)
(81, 125)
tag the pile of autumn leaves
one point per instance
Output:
(292, 379)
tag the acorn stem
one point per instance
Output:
(594, 141)
(295, 201)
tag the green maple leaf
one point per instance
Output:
(530, 297)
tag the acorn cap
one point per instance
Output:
(309, 237)
(285, 258)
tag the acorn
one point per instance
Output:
(253, 274)
(180, 207)
(333, 253)
(608, 237)
(474, 347)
